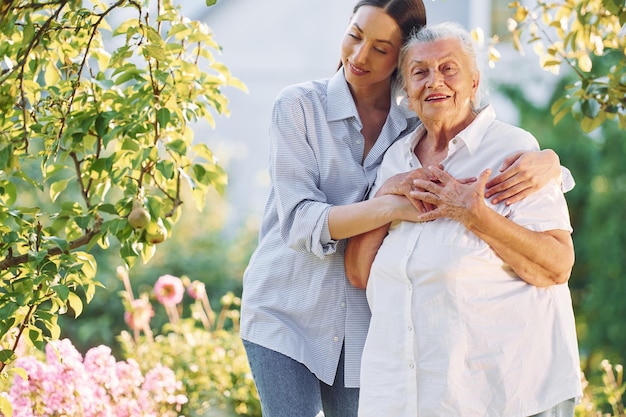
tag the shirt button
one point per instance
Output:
(454, 141)
(358, 141)
(409, 328)
(411, 365)
(343, 304)
(335, 339)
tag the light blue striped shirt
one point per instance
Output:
(296, 299)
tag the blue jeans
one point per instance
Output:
(287, 388)
(564, 409)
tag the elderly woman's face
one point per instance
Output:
(440, 81)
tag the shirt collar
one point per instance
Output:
(473, 134)
(340, 102)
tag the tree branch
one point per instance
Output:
(11, 260)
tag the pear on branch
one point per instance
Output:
(156, 232)
(139, 218)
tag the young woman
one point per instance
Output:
(302, 323)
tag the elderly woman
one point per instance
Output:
(471, 312)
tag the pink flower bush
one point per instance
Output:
(67, 385)
(169, 290)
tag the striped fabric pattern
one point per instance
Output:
(296, 299)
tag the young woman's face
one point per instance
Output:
(370, 47)
(440, 80)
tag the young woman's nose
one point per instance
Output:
(360, 54)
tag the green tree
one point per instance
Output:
(572, 33)
(588, 38)
(95, 144)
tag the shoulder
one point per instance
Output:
(300, 105)
(513, 136)
(314, 90)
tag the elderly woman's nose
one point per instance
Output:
(433, 78)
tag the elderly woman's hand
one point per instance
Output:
(404, 184)
(452, 198)
(522, 174)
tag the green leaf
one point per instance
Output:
(107, 208)
(590, 108)
(62, 291)
(210, 3)
(156, 52)
(203, 151)
(101, 125)
(124, 27)
(7, 355)
(35, 337)
(589, 124)
(8, 193)
(58, 241)
(179, 146)
(21, 372)
(56, 188)
(166, 168)
(5, 406)
(54, 328)
(75, 303)
(163, 117)
(6, 152)
(128, 75)
(147, 252)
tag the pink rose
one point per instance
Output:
(169, 290)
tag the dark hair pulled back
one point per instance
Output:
(408, 14)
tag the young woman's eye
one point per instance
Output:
(381, 50)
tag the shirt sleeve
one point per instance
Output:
(567, 180)
(544, 210)
(301, 205)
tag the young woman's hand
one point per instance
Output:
(522, 174)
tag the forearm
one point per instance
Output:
(360, 253)
(354, 219)
(539, 258)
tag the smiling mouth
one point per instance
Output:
(357, 70)
(438, 97)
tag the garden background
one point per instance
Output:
(212, 246)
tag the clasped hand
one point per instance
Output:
(440, 195)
